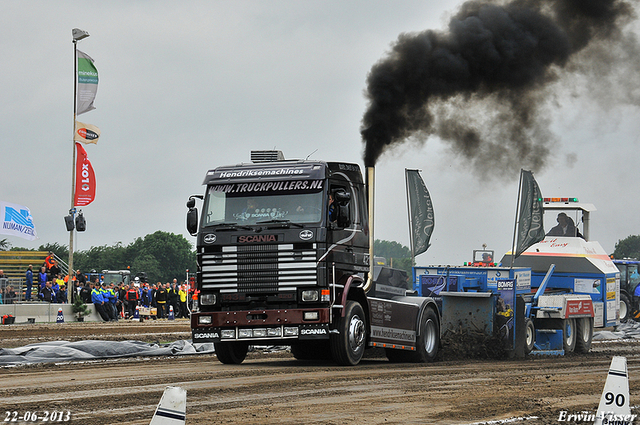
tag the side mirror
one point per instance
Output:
(342, 197)
(192, 220)
(191, 203)
(343, 216)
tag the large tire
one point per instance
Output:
(347, 346)
(584, 334)
(231, 352)
(569, 335)
(311, 350)
(428, 337)
(427, 344)
(530, 335)
(625, 307)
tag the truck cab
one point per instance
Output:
(283, 259)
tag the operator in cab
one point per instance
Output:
(565, 227)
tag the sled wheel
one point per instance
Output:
(584, 334)
(530, 338)
(569, 335)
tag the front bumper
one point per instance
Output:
(256, 326)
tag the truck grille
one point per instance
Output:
(259, 268)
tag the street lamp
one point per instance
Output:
(78, 35)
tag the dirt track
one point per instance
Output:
(272, 388)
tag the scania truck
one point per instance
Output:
(283, 257)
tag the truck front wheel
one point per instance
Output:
(347, 346)
(231, 352)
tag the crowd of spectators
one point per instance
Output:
(112, 301)
(116, 301)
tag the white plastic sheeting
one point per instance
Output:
(629, 330)
(65, 351)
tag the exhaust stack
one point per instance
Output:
(370, 201)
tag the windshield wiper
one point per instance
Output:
(232, 226)
(283, 223)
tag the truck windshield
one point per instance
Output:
(250, 208)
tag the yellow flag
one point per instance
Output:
(86, 133)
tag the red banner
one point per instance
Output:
(85, 179)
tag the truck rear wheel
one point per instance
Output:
(347, 346)
(584, 334)
(427, 344)
(231, 352)
(429, 337)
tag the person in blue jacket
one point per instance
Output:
(106, 295)
(113, 300)
(145, 296)
(42, 277)
(98, 301)
(29, 278)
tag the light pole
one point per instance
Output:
(78, 35)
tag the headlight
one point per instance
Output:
(259, 333)
(274, 332)
(310, 295)
(228, 334)
(245, 333)
(208, 299)
(204, 320)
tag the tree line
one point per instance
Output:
(161, 255)
(164, 256)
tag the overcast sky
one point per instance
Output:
(187, 86)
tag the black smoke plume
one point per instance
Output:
(481, 86)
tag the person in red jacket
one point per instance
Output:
(132, 297)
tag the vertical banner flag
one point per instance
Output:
(86, 133)
(17, 221)
(85, 179)
(87, 83)
(422, 217)
(530, 227)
